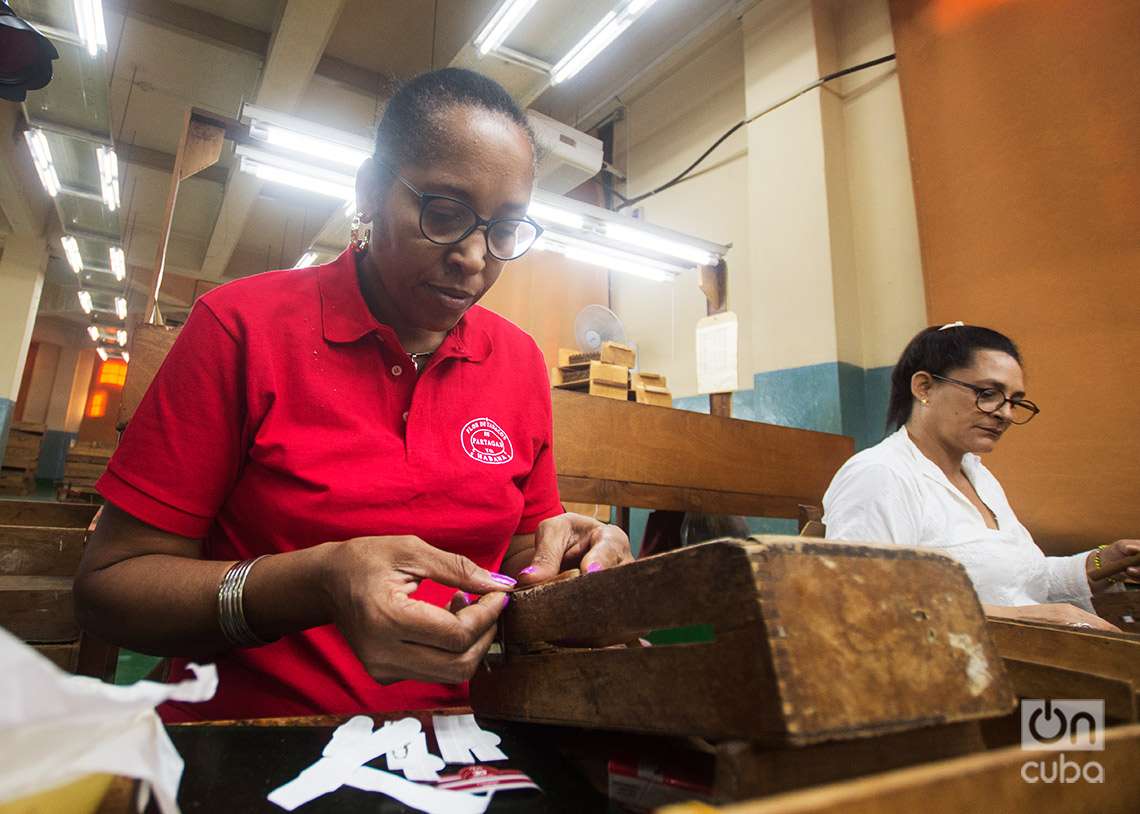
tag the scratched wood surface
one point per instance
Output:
(810, 641)
(985, 782)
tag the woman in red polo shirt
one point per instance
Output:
(330, 458)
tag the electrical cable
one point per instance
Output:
(627, 202)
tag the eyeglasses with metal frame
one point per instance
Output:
(445, 221)
(989, 400)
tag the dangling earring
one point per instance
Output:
(359, 234)
(924, 401)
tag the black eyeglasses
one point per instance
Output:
(446, 221)
(990, 400)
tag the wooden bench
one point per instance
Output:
(41, 544)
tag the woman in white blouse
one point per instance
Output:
(954, 392)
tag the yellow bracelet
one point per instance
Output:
(1096, 556)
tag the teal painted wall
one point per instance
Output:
(53, 454)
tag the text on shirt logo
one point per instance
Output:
(485, 441)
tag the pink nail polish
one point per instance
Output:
(592, 567)
(503, 579)
(530, 569)
(471, 598)
(506, 600)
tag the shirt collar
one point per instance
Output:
(970, 464)
(345, 316)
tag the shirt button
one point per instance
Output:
(405, 416)
(397, 370)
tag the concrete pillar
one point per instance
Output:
(815, 252)
(22, 267)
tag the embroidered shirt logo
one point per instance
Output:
(486, 442)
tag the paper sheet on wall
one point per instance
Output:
(716, 353)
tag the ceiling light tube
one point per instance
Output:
(270, 167)
(93, 332)
(108, 176)
(118, 263)
(509, 14)
(308, 138)
(645, 240)
(85, 301)
(71, 251)
(121, 307)
(102, 351)
(613, 259)
(608, 29)
(546, 213)
(41, 158)
(89, 22)
(121, 337)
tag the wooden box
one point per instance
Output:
(657, 396)
(590, 371)
(643, 379)
(613, 353)
(23, 449)
(794, 642)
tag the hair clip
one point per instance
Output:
(958, 324)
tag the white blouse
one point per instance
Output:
(893, 493)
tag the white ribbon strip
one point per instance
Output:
(459, 737)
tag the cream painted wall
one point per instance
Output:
(38, 398)
(816, 197)
(888, 266)
(662, 132)
(21, 280)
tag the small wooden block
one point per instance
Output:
(643, 379)
(590, 371)
(653, 395)
(806, 638)
(613, 353)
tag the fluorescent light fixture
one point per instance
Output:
(85, 301)
(118, 263)
(71, 251)
(307, 259)
(509, 14)
(93, 332)
(608, 29)
(126, 357)
(607, 258)
(308, 138)
(121, 337)
(41, 157)
(108, 176)
(89, 21)
(269, 167)
(645, 240)
(102, 351)
(121, 307)
(546, 214)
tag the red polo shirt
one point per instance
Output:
(285, 416)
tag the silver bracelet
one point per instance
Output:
(231, 612)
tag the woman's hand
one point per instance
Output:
(574, 541)
(368, 582)
(1110, 555)
(1060, 613)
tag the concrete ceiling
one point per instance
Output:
(301, 55)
